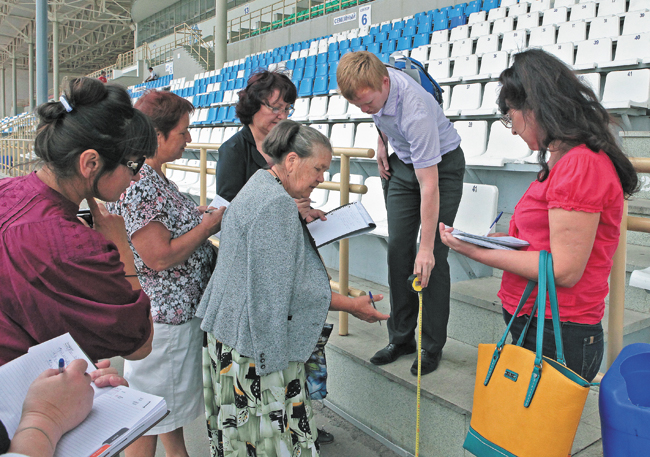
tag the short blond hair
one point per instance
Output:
(359, 70)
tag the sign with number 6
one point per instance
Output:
(364, 16)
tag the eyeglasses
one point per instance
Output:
(134, 165)
(288, 110)
(506, 120)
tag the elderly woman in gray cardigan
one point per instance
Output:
(266, 304)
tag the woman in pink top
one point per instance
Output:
(572, 210)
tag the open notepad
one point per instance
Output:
(343, 222)
(119, 414)
(491, 242)
(217, 202)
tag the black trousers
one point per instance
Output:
(402, 195)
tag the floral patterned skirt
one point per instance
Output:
(258, 416)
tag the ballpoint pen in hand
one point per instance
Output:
(372, 300)
(494, 223)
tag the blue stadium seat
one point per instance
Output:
(358, 48)
(240, 83)
(384, 57)
(247, 74)
(389, 46)
(320, 85)
(321, 69)
(333, 85)
(210, 99)
(248, 63)
(398, 25)
(306, 87)
(212, 116)
(409, 30)
(333, 67)
(333, 47)
(355, 42)
(300, 63)
(374, 48)
(311, 60)
(218, 97)
(310, 71)
(345, 51)
(321, 58)
(457, 10)
(374, 30)
(385, 28)
(297, 73)
(333, 56)
(490, 4)
(196, 101)
(438, 15)
(232, 114)
(440, 24)
(368, 40)
(382, 36)
(395, 34)
(404, 43)
(345, 44)
(421, 39)
(458, 20)
(230, 85)
(473, 7)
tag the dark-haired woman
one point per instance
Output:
(174, 259)
(59, 275)
(266, 304)
(573, 209)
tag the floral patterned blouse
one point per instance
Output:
(176, 291)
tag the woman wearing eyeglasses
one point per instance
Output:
(267, 99)
(174, 261)
(573, 209)
(58, 274)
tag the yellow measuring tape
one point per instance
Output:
(414, 283)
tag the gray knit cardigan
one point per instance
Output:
(269, 294)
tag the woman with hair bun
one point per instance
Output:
(267, 301)
(59, 275)
(572, 210)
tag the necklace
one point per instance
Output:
(276, 176)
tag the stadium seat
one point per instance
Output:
(462, 48)
(627, 89)
(322, 128)
(541, 36)
(232, 114)
(337, 108)
(464, 66)
(301, 107)
(478, 17)
(440, 24)
(439, 51)
(228, 132)
(631, 50)
(518, 9)
(211, 181)
(604, 27)
(319, 196)
(440, 36)
(318, 108)
(464, 96)
(404, 44)
(489, 5)
(202, 117)
(583, 11)
(572, 32)
(473, 135)
(565, 3)
(204, 135)
(480, 29)
(477, 208)
(487, 43)
(212, 116)
(528, 21)
(563, 51)
(611, 7)
(459, 33)
(637, 22)
(309, 72)
(366, 136)
(492, 64)
(439, 69)
(502, 147)
(334, 197)
(497, 13)
(425, 28)
(217, 135)
(514, 41)
(189, 179)
(176, 175)
(591, 52)
(593, 80)
(420, 53)
(457, 21)
(473, 7)
(342, 135)
(373, 201)
(355, 113)
(540, 5)
(502, 26)
(322, 69)
(421, 39)
(638, 5)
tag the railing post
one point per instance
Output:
(344, 245)
(617, 295)
(203, 177)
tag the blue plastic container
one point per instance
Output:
(624, 403)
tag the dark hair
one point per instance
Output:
(151, 68)
(101, 118)
(259, 88)
(290, 136)
(565, 109)
(165, 109)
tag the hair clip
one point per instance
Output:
(64, 102)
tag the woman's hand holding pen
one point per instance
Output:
(212, 218)
(364, 308)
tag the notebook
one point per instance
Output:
(119, 414)
(342, 222)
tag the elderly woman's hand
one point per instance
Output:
(364, 310)
(307, 212)
(212, 219)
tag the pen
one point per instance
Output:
(61, 365)
(372, 300)
(494, 223)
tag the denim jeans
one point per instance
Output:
(583, 343)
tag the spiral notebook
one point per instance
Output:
(343, 222)
(118, 417)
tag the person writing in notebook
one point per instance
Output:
(573, 209)
(423, 184)
(55, 404)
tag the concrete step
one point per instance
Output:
(637, 144)
(382, 400)
(641, 208)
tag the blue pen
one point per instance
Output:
(372, 300)
(61, 365)
(494, 223)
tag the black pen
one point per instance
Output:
(372, 300)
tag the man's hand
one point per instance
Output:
(382, 159)
(424, 263)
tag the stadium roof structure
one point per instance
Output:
(91, 33)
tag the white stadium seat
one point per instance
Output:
(318, 108)
(462, 47)
(373, 201)
(480, 29)
(492, 64)
(572, 32)
(583, 11)
(502, 147)
(487, 43)
(334, 197)
(464, 96)
(439, 36)
(540, 5)
(337, 108)
(631, 50)
(322, 128)
(301, 107)
(355, 113)
(489, 104)
(528, 21)
(497, 13)
(514, 41)
(593, 52)
(502, 26)
(627, 89)
(439, 69)
(477, 209)
(555, 16)
(439, 51)
(465, 66)
(637, 22)
(217, 135)
(518, 9)
(605, 27)
(541, 36)
(592, 80)
(478, 17)
(609, 7)
(473, 135)
(229, 132)
(319, 196)
(563, 51)
(342, 135)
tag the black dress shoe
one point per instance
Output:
(324, 437)
(391, 353)
(430, 361)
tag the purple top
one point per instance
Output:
(60, 276)
(414, 123)
(175, 292)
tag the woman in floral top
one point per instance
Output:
(169, 238)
